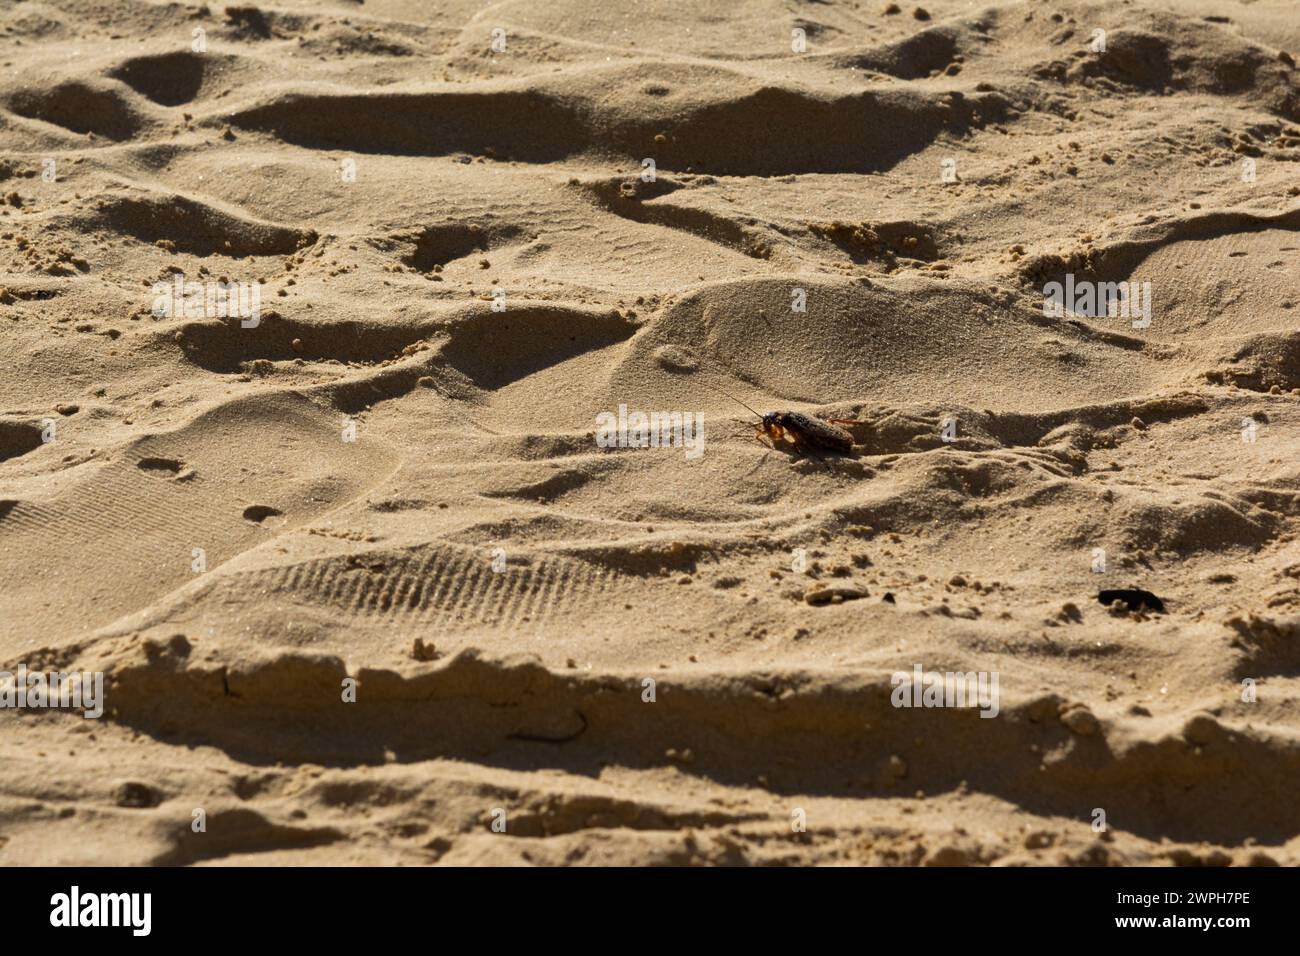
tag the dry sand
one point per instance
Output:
(240, 526)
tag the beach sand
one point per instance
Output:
(365, 587)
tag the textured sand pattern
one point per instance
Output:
(475, 227)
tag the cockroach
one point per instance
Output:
(805, 432)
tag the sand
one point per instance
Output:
(365, 588)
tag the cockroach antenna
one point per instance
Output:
(732, 397)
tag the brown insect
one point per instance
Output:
(805, 432)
